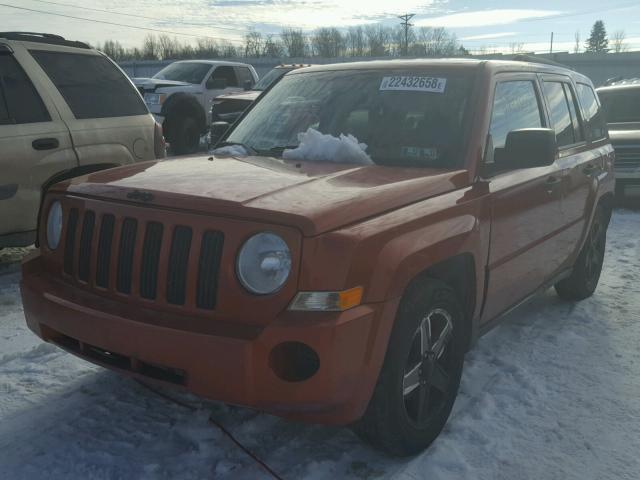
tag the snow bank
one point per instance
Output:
(315, 146)
(230, 151)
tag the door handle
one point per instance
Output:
(551, 183)
(45, 144)
(589, 169)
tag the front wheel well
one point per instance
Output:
(457, 272)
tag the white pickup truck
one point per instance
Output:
(180, 96)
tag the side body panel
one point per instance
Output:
(25, 169)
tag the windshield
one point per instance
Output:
(270, 77)
(189, 72)
(404, 118)
(622, 106)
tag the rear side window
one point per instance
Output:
(92, 86)
(594, 120)
(560, 113)
(576, 121)
(226, 73)
(244, 76)
(19, 100)
(515, 107)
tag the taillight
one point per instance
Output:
(159, 145)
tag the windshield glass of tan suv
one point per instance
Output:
(412, 119)
(622, 106)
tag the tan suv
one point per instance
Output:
(65, 110)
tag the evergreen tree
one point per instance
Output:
(597, 41)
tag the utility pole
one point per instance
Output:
(405, 23)
(551, 48)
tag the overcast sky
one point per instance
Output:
(494, 24)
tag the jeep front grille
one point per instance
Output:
(98, 246)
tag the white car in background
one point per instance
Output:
(180, 96)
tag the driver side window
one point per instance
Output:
(515, 106)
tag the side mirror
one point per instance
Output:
(218, 129)
(248, 84)
(217, 84)
(528, 148)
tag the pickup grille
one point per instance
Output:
(627, 156)
(99, 246)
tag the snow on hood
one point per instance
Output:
(230, 151)
(315, 146)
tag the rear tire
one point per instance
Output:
(586, 271)
(421, 373)
(185, 135)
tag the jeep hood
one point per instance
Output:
(314, 197)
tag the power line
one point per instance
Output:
(133, 15)
(116, 24)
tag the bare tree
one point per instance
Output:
(516, 47)
(377, 40)
(272, 47)
(577, 45)
(356, 42)
(150, 48)
(327, 42)
(294, 42)
(253, 44)
(168, 47)
(618, 41)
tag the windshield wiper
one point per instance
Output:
(278, 150)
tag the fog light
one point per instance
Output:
(294, 361)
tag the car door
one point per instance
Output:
(525, 203)
(222, 80)
(108, 120)
(34, 146)
(575, 156)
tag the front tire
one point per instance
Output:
(421, 373)
(586, 271)
(186, 136)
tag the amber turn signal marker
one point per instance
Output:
(350, 298)
(327, 301)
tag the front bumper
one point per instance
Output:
(234, 366)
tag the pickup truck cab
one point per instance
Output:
(180, 96)
(334, 281)
(621, 107)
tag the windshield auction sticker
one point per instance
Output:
(412, 83)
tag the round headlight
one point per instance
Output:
(264, 263)
(54, 225)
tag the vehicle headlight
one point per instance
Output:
(54, 225)
(264, 263)
(154, 98)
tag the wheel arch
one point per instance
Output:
(459, 273)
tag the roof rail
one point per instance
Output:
(537, 59)
(42, 38)
(622, 81)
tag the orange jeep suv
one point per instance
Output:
(361, 227)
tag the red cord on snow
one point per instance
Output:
(219, 426)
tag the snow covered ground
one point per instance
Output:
(553, 393)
